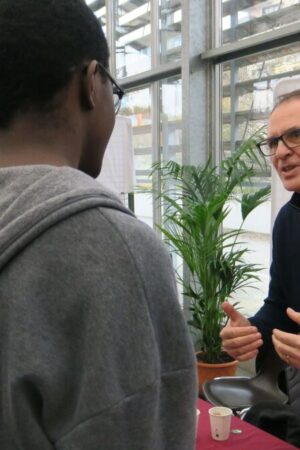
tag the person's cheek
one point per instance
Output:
(273, 161)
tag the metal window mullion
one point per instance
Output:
(216, 21)
(155, 94)
(111, 12)
(160, 72)
(254, 44)
(234, 20)
(155, 33)
(233, 105)
(216, 115)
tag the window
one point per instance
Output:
(246, 100)
(170, 30)
(137, 106)
(170, 119)
(241, 19)
(227, 93)
(145, 38)
(133, 37)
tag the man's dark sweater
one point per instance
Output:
(284, 289)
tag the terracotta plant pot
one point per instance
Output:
(208, 371)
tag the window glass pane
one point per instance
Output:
(99, 9)
(247, 91)
(171, 136)
(170, 119)
(133, 37)
(246, 105)
(170, 30)
(243, 18)
(137, 106)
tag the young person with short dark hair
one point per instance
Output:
(94, 350)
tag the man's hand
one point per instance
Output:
(240, 339)
(287, 345)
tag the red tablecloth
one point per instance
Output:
(251, 438)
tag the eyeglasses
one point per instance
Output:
(291, 139)
(118, 92)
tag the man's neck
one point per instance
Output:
(26, 144)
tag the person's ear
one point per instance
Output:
(88, 93)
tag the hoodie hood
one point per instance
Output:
(34, 198)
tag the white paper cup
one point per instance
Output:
(220, 420)
(197, 419)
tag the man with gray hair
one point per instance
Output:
(277, 323)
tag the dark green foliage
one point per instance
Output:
(195, 204)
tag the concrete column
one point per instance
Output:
(197, 89)
(197, 97)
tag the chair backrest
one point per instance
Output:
(269, 371)
(239, 393)
(293, 387)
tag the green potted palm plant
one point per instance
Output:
(195, 202)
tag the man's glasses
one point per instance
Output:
(291, 139)
(118, 92)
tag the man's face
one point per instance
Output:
(286, 161)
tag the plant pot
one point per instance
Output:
(208, 371)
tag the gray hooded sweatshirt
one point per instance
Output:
(94, 351)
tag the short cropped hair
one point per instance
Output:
(42, 42)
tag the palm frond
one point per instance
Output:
(195, 202)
